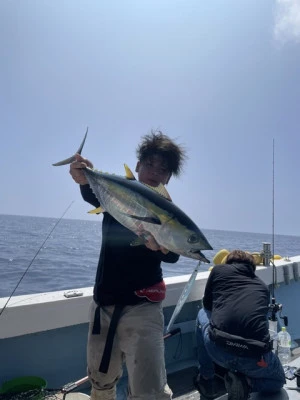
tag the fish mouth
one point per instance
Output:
(199, 256)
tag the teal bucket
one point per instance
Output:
(23, 384)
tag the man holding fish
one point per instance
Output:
(126, 317)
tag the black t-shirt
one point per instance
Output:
(123, 268)
(239, 301)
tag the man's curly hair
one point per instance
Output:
(158, 143)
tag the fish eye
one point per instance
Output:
(193, 238)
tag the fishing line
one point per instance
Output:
(36, 254)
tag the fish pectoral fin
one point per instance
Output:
(150, 220)
(71, 159)
(129, 174)
(98, 210)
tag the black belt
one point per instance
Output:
(110, 334)
(238, 345)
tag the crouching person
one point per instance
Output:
(232, 332)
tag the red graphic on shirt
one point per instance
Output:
(153, 293)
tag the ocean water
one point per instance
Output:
(33, 261)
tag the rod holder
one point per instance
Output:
(266, 253)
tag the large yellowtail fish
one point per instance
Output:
(144, 209)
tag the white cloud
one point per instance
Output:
(287, 20)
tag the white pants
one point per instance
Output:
(139, 342)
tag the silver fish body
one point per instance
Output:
(141, 209)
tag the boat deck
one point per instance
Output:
(181, 383)
(183, 389)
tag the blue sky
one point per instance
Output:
(220, 77)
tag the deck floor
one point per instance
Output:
(181, 383)
(183, 389)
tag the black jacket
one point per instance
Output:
(122, 268)
(238, 300)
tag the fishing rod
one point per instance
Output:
(36, 254)
(273, 219)
(273, 306)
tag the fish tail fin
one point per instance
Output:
(72, 158)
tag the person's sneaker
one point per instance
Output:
(237, 386)
(209, 388)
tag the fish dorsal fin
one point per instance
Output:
(129, 175)
(160, 189)
(98, 210)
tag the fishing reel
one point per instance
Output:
(274, 309)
